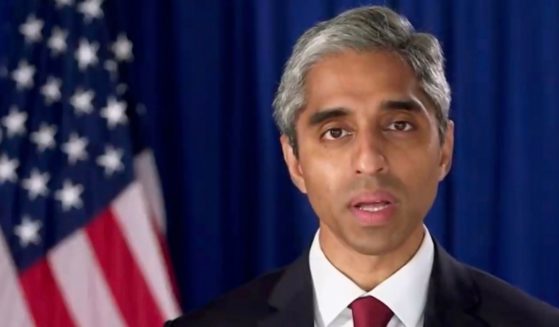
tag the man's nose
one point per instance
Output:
(369, 157)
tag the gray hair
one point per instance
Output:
(362, 29)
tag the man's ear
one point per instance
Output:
(293, 165)
(446, 151)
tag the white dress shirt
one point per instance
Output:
(404, 292)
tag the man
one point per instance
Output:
(363, 111)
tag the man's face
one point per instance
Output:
(370, 158)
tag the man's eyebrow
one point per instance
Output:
(326, 114)
(407, 105)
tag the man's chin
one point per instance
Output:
(374, 247)
(381, 241)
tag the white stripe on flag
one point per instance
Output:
(131, 214)
(146, 172)
(82, 284)
(13, 308)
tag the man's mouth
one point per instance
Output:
(373, 207)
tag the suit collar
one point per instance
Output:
(292, 297)
(334, 291)
(451, 301)
(453, 296)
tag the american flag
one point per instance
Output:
(81, 215)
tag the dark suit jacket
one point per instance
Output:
(458, 295)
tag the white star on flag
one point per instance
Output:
(111, 160)
(75, 148)
(36, 184)
(62, 3)
(122, 48)
(28, 231)
(23, 75)
(14, 122)
(57, 41)
(81, 101)
(69, 195)
(114, 112)
(31, 29)
(44, 137)
(86, 54)
(91, 9)
(8, 169)
(51, 90)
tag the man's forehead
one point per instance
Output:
(416, 100)
(357, 72)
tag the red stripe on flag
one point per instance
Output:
(43, 296)
(122, 273)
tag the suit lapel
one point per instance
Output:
(452, 297)
(292, 297)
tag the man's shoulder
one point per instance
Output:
(499, 299)
(461, 295)
(239, 307)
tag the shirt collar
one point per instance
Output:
(333, 291)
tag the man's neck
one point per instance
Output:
(367, 271)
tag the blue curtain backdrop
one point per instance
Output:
(207, 72)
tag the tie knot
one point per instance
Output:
(370, 312)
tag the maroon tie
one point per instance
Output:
(370, 312)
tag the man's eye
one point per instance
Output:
(335, 133)
(400, 126)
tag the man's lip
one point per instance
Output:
(373, 208)
(372, 198)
